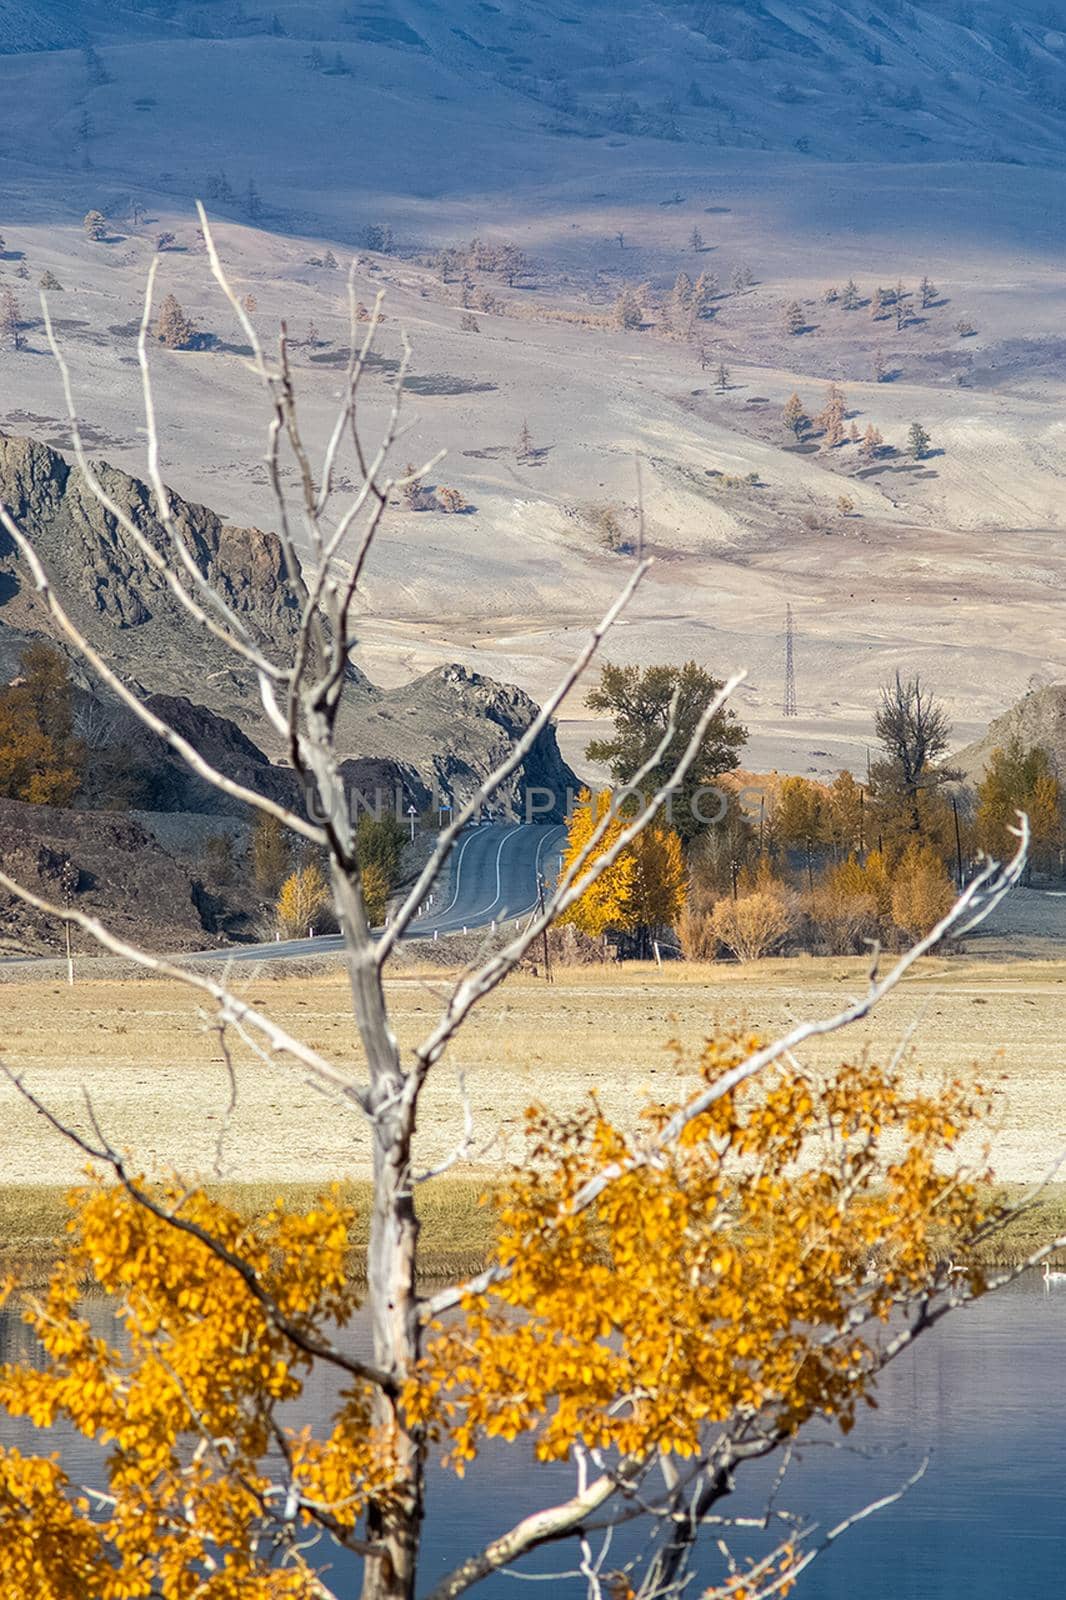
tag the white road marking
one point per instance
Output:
(458, 876)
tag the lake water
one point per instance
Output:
(984, 1395)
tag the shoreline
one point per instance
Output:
(458, 1224)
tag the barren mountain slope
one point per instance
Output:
(808, 142)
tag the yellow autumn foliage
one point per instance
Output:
(717, 1283)
(644, 888)
(304, 895)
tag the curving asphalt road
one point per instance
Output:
(491, 877)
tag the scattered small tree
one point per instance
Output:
(704, 292)
(165, 241)
(831, 417)
(469, 323)
(173, 328)
(380, 238)
(965, 328)
(696, 240)
(722, 378)
(918, 441)
(50, 282)
(845, 505)
(251, 304)
(627, 313)
(872, 442)
(95, 225)
(524, 447)
(795, 418)
(795, 321)
(11, 331)
(927, 292)
(850, 298)
(451, 501)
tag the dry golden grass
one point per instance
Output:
(157, 1080)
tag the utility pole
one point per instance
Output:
(790, 667)
(958, 844)
(544, 930)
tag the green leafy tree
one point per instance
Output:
(638, 701)
(379, 842)
(918, 442)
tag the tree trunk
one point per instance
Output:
(392, 1260)
(391, 1266)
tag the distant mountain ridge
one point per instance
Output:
(934, 79)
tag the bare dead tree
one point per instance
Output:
(327, 534)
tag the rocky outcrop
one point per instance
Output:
(1038, 718)
(113, 870)
(442, 733)
(115, 594)
(453, 726)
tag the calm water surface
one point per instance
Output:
(984, 1395)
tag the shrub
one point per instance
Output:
(842, 922)
(755, 924)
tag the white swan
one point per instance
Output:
(1051, 1275)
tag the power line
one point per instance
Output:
(790, 667)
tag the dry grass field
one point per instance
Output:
(154, 1071)
(155, 1075)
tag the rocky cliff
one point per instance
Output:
(443, 732)
(1039, 717)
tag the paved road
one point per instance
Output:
(491, 877)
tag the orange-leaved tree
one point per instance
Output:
(41, 760)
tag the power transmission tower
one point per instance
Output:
(790, 668)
